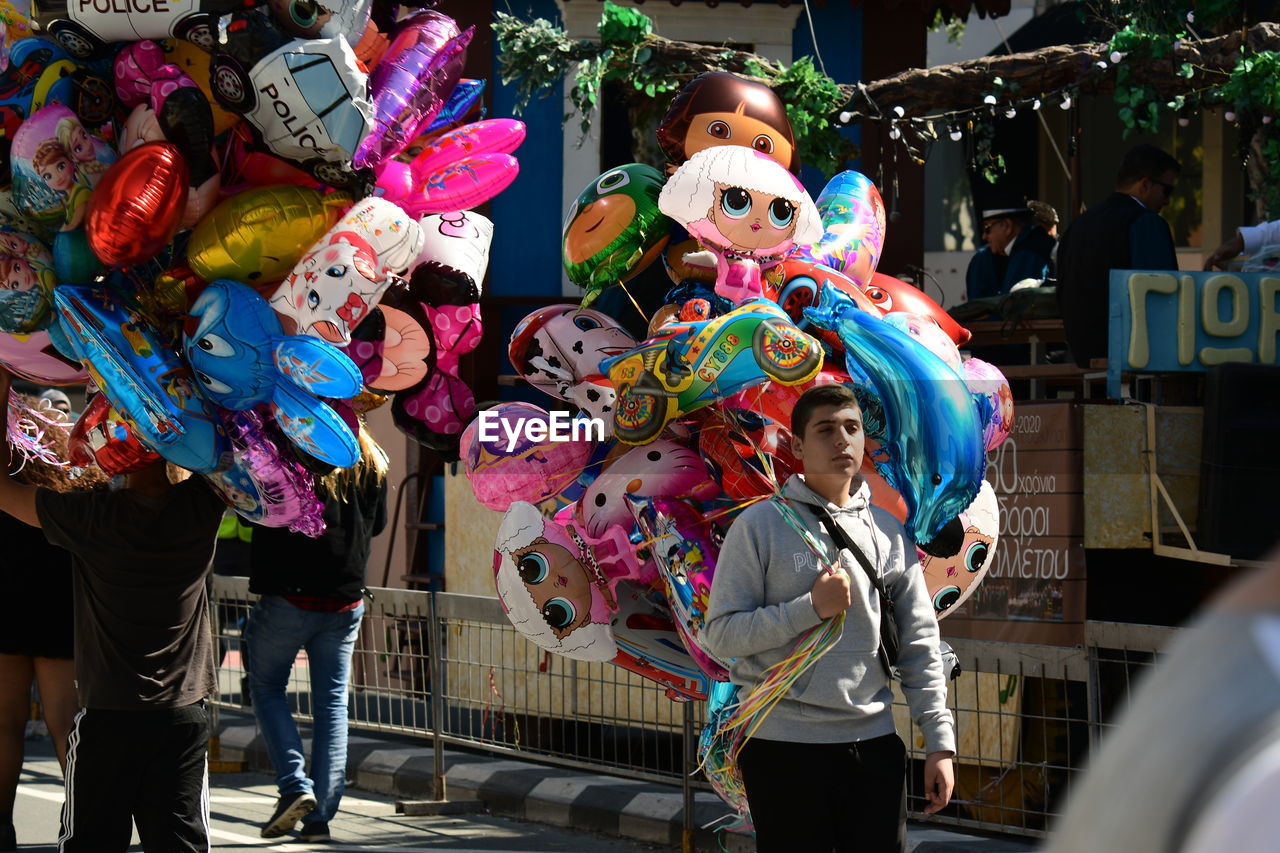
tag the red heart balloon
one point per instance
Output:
(138, 204)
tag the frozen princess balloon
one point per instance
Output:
(745, 208)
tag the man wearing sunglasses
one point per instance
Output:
(1017, 248)
(1123, 231)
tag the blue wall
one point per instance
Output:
(839, 29)
(525, 259)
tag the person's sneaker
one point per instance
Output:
(318, 831)
(289, 810)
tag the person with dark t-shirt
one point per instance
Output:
(1123, 231)
(312, 599)
(144, 660)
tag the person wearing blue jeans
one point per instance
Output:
(312, 598)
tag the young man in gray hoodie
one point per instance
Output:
(826, 771)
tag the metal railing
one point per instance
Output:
(1026, 715)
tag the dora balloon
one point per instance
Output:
(718, 108)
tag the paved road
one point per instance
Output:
(242, 802)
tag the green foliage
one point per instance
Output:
(812, 98)
(953, 25)
(537, 55)
(619, 25)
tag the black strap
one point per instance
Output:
(890, 644)
(845, 543)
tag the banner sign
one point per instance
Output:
(1189, 321)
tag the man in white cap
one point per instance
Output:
(1017, 248)
(52, 398)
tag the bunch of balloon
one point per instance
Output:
(237, 223)
(768, 293)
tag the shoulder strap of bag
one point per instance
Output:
(845, 543)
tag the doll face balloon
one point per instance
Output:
(551, 586)
(615, 229)
(736, 199)
(951, 580)
(718, 108)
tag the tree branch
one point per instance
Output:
(946, 88)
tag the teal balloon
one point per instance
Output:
(933, 423)
(73, 261)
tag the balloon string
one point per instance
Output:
(639, 310)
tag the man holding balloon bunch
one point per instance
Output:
(143, 653)
(825, 769)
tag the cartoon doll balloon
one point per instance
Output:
(552, 588)
(56, 165)
(743, 206)
(718, 108)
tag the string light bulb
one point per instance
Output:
(846, 117)
(1229, 115)
(1066, 102)
(956, 134)
(989, 100)
(1035, 104)
(1010, 113)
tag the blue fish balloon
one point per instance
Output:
(933, 423)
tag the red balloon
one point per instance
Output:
(103, 437)
(138, 204)
(891, 294)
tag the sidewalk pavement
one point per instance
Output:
(648, 812)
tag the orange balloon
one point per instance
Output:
(138, 204)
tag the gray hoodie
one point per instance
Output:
(760, 605)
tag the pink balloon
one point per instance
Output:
(492, 136)
(986, 379)
(502, 472)
(411, 82)
(462, 186)
(35, 358)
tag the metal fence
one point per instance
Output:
(1026, 715)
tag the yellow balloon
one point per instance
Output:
(257, 236)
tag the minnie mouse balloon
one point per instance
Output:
(138, 204)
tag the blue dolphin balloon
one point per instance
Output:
(932, 422)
